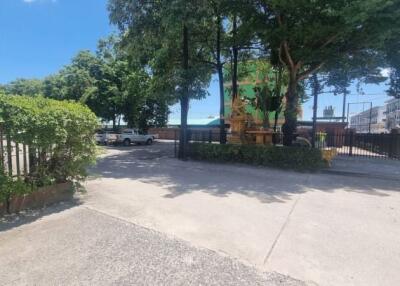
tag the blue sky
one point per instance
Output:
(38, 37)
(370, 93)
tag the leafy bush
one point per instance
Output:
(61, 132)
(10, 187)
(274, 156)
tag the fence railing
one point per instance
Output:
(16, 159)
(383, 146)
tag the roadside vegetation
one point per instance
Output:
(184, 42)
(115, 89)
(168, 51)
(59, 136)
(300, 159)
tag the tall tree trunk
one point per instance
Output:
(183, 135)
(235, 60)
(183, 139)
(276, 118)
(222, 138)
(114, 123)
(222, 105)
(291, 110)
(315, 92)
(278, 83)
(266, 123)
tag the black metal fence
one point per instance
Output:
(382, 146)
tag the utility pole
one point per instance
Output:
(344, 105)
(315, 91)
(370, 118)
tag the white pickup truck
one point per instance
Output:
(106, 137)
(128, 136)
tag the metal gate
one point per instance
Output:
(382, 146)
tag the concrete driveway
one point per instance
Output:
(149, 219)
(69, 244)
(320, 228)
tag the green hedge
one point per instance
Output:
(10, 187)
(62, 132)
(275, 156)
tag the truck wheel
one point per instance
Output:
(149, 141)
(127, 142)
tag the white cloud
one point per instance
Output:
(385, 72)
(39, 1)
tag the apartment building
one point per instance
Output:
(392, 114)
(371, 120)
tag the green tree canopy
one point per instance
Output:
(108, 83)
(308, 35)
(21, 86)
(392, 48)
(163, 37)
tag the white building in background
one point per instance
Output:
(371, 120)
(392, 114)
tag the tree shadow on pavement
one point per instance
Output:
(8, 222)
(153, 165)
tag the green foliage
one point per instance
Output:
(308, 36)
(269, 85)
(392, 48)
(23, 86)
(274, 156)
(107, 83)
(165, 38)
(153, 37)
(10, 187)
(61, 131)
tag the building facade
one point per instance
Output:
(370, 121)
(392, 114)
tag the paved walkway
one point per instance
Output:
(387, 169)
(243, 221)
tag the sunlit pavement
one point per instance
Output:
(319, 228)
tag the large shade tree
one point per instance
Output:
(309, 35)
(392, 48)
(162, 36)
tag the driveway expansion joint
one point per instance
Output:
(280, 231)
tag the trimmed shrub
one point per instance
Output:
(61, 132)
(274, 156)
(10, 187)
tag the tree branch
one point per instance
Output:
(311, 70)
(206, 62)
(330, 40)
(280, 56)
(287, 54)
